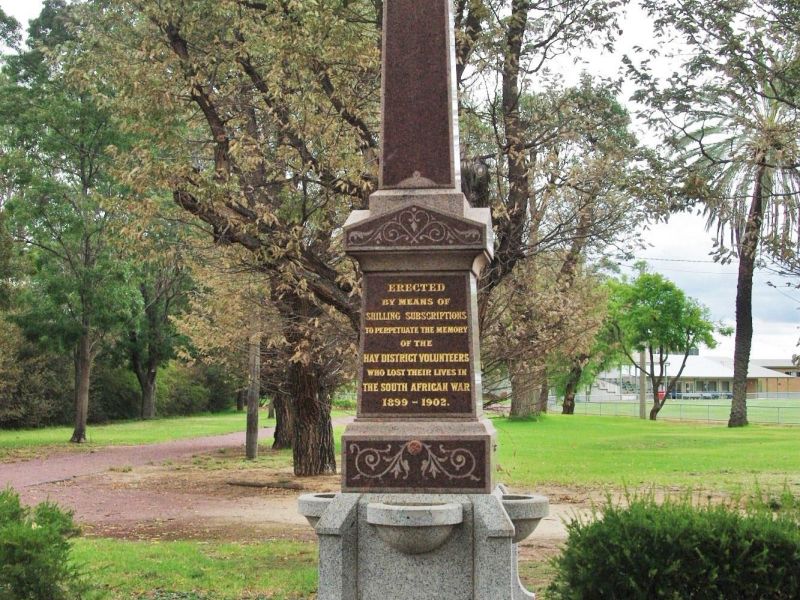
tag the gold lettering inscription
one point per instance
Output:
(436, 315)
(383, 316)
(418, 372)
(414, 301)
(409, 365)
(434, 402)
(415, 287)
(394, 330)
(429, 386)
(425, 357)
(397, 386)
(445, 329)
(394, 402)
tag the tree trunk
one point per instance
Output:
(253, 395)
(524, 391)
(83, 372)
(271, 409)
(313, 445)
(657, 406)
(241, 396)
(284, 421)
(544, 396)
(744, 302)
(148, 384)
(571, 389)
(656, 383)
(146, 370)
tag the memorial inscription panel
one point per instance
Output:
(416, 346)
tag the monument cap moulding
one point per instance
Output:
(419, 515)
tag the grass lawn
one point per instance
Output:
(617, 451)
(138, 432)
(558, 450)
(278, 570)
(17, 442)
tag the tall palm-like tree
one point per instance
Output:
(739, 153)
(733, 113)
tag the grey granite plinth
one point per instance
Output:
(477, 558)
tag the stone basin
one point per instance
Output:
(414, 528)
(312, 506)
(525, 512)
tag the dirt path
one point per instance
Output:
(64, 466)
(189, 489)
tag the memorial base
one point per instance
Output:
(421, 546)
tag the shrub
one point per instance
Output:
(675, 550)
(115, 394)
(35, 385)
(179, 391)
(34, 552)
(220, 385)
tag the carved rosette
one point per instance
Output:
(416, 464)
(414, 226)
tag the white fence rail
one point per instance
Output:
(782, 409)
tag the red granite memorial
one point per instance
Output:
(421, 248)
(419, 515)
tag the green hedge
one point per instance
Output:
(674, 550)
(34, 553)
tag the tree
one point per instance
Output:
(584, 174)
(6, 255)
(652, 314)
(261, 87)
(265, 117)
(53, 152)
(164, 282)
(232, 322)
(9, 30)
(578, 368)
(731, 115)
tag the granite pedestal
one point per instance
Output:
(361, 559)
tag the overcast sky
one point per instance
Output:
(680, 249)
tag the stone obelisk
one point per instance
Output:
(419, 516)
(420, 247)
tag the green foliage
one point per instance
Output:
(6, 253)
(675, 550)
(181, 390)
(35, 552)
(652, 314)
(185, 389)
(114, 394)
(56, 167)
(344, 397)
(9, 30)
(32, 382)
(221, 387)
